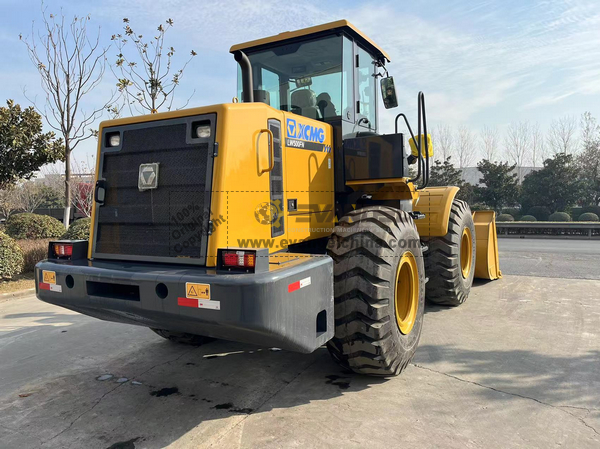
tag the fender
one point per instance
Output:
(435, 203)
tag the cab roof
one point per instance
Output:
(342, 25)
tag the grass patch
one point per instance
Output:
(18, 283)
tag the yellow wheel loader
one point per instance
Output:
(284, 218)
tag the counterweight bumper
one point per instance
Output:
(290, 306)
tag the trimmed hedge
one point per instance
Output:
(505, 217)
(514, 211)
(79, 230)
(588, 216)
(11, 257)
(33, 226)
(527, 218)
(592, 209)
(559, 216)
(541, 213)
(33, 252)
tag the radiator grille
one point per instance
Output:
(169, 221)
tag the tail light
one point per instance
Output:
(238, 259)
(255, 260)
(67, 250)
(63, 250)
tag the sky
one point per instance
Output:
(479, 63)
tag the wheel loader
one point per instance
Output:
(284, 218)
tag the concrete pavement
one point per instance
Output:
(556, 258)
(515, 366)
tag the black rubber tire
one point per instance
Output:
(366, 247)
(446, 285)
(183, 338)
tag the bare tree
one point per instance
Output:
(465, 146)
(517, 143)
(9, 202)
(538, 146)
(71, 64)
(82, 179)
(443, 142)
(151, 83)
(83, 187)
(29, 196)
(561, 136)
(489, 138)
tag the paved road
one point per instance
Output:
(556, 258)
(515, 366)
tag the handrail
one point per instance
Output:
(423, 162)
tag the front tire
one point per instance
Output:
(379, 289)
(450, 261)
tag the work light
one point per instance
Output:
(203, 131)
(114, 140)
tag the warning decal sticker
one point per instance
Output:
(199, 303)
(49, 277)
(197, 291)
(298, 284)
(51, 287)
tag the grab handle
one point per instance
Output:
(271, 150)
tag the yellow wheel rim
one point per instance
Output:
(407, 292)
(466, 253)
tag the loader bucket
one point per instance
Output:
(487, 265)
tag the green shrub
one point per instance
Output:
(505, 217)
(79, 230)
(592, 209)
(33, 252)
(478, 206)
(33, 226)
(541, 213)
(588, 216)
(514, 211)
(527, 218)
(11, 257)
(559, 216)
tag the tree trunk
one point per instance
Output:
(67, 215)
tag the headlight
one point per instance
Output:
(203, 131)
(114, 140)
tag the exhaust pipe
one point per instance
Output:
(244, 62)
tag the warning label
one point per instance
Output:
(197, 291)
(49, 277)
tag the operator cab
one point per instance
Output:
(326, 73)
(329, 73)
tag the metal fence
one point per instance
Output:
(582, 230)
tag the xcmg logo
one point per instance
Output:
(309, 133)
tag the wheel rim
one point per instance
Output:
(466, 254)
(407, 292)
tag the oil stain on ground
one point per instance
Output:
(164, 392)
(229, 406)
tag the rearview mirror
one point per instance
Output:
(388, 92)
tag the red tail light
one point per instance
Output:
(63, 250)
(242, 259)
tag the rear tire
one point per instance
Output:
(183, 338)
(378, 306)
(450, 262)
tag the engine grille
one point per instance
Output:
(166, 222)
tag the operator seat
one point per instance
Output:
(304, 102)
(325, 105)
